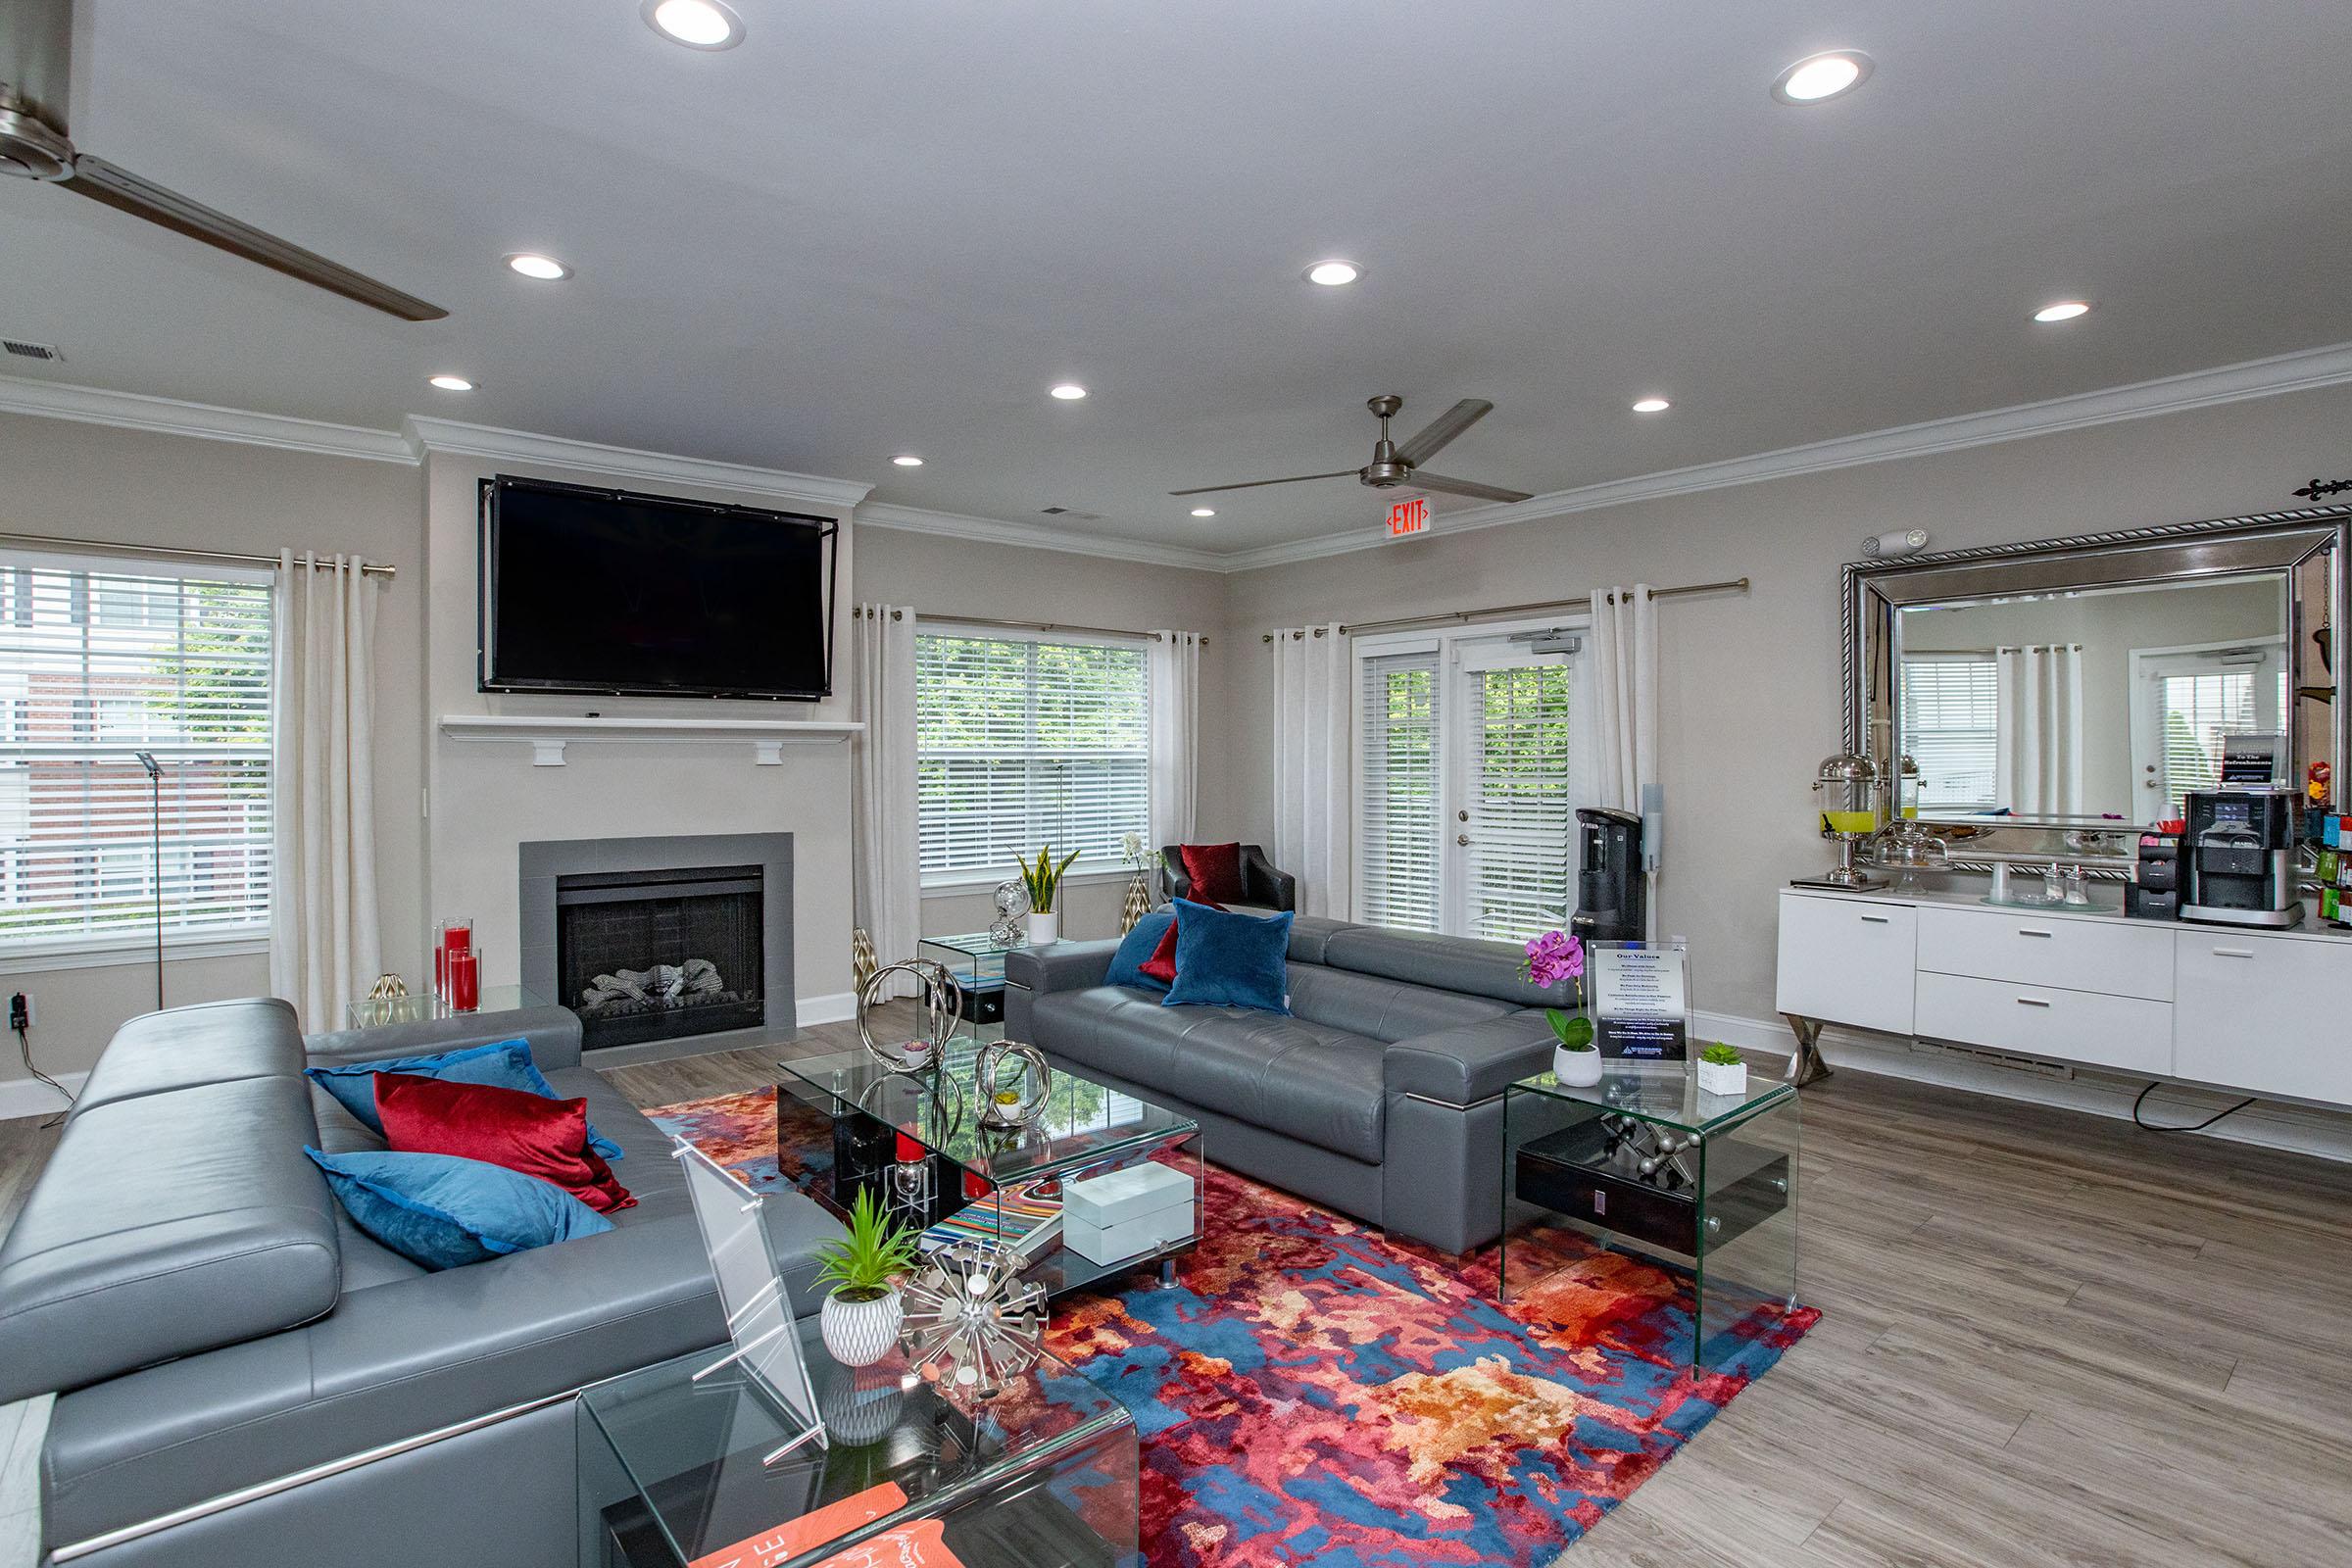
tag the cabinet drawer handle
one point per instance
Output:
(2028, 931)
(2031, 1001)
(1874, 919)
(2232, 953)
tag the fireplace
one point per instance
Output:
(659, 939)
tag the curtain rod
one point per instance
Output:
(1026, 625)
(1584, 601)
(232, 558)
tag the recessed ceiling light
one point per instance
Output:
(1069, 391)
(1653, 406)
(907, 459)
(1334, 273)
(2062, 311)
(1204, 511)
(696, 23)
(450, 383)
(1817, 78)
(531, 264)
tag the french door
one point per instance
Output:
(1465, 821)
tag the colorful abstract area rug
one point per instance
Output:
(1315, 1392)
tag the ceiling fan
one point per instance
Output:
(1393, 465)
(36, 64)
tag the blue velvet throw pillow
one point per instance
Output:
(1225, 959)
(504, 1065)
(446, 1212)
(1126, 965)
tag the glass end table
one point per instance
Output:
(977, 961)
(995, 1182)
(374, 1013)
(671, 1471)
(1646, 1161)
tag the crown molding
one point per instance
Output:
(450, 436)
(137, 411)
(1036, 536)
(2302, 372)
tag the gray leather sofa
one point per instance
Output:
(1380, 1096)
(243, 1377)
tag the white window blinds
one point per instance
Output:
(2196, 711)
(1521, 818)
(97, 664)
(1396, 822)
(1951, 719)
(1022, 744)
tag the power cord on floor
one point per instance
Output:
(2193, 1127)
(25, 1050)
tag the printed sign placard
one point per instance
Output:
(1409, 518)
(1640, 999)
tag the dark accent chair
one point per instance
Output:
(1261, 884)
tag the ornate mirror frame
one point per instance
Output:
(2313, 546)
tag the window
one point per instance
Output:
(1023, 743)
(98, 662)
(1951, 728)
(1397, 824)
(1521, 821)
(2188, 699)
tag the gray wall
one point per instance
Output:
(1749, 683)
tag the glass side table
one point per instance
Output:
(977, 961)
(670, 1473)
(374, 1013)
(1645, 1162)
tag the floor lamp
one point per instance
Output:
(155, 793)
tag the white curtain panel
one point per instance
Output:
(1623, 735)
(1313, 767)
(885, 836)
(1175, 682)
(324, 947)
(2037, 744)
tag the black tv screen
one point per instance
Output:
(601, 591)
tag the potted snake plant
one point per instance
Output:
(860, 1317)
(1042, 881)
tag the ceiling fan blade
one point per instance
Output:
(1259, 484)
(127, 192)
(1442, 429)
(1464, 487)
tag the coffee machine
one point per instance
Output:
(1612, 891)
(2238, 858)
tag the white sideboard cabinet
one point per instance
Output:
(2267, 1012)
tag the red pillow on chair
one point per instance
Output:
(1215, 871)
(510, 1127)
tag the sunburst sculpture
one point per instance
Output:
(971, 1319)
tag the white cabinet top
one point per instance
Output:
(2312, 928)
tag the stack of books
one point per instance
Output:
(1022, 1220)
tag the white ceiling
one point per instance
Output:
(891, 226)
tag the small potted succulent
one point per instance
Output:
(1721, 1071)
(861, 1316)
(1553, 957)
(1042, 881)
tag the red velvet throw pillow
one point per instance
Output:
(1215, 871)
(510, 1127)
(1161, 965)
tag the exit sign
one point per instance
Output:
(1410, 517)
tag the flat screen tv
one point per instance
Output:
(606, 592)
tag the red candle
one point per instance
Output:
(456, 936)
(465, 980)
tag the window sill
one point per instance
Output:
(954, 883)
(130, 954)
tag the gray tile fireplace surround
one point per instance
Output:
(543, 862)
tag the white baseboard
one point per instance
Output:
(30, 1097)
(2265, 1124)
(838, 1006)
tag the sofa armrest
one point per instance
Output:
(553, 1033)
(1477, 1061)
(1060, 965)
(1174, 880)
(1266, 884)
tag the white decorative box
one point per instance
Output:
(1126, 1213)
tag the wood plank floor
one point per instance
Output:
(2048, 1338)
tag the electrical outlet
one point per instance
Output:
(20, 1012)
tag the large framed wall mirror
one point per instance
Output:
(2087, 684)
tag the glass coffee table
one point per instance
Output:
(1646, 1161)
(919, 1144)
(670, 1475)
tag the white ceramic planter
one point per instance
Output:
(861, 1332)
(1044, 929)
(1718, 1078)
(1576, 1067)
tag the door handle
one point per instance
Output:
(2231, 952)
(2028, 931)
(2031, 1001)
(1875, 919)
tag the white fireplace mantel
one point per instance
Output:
(546, 735)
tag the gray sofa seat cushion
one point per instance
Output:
(166, 1224)
(1379, 1009)
(1292, 1076)
(1445, 963)
(219, 1041)
(1463, 1066)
